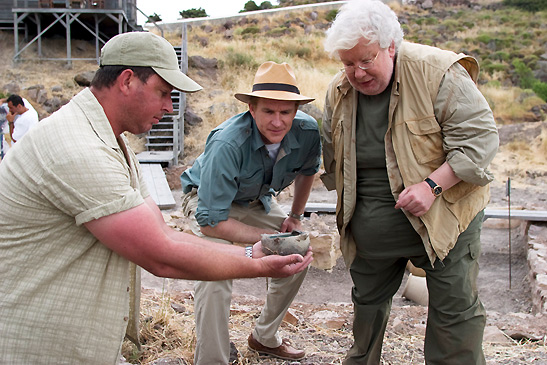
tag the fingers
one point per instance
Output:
(291, 224)
(283, 266)
(303, 262)
(284, 226)
(415, 200)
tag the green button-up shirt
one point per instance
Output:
(236, 168)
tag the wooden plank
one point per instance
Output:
(157, 185)
(527, 215)
(152, 157)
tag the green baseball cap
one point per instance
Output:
(147, 50)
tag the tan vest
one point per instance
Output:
(413, 147)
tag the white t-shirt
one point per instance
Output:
(28, 105)
(273, 150)
(23, 122)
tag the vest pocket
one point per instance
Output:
(425, 139)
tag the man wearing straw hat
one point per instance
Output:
(77, 218)
(229, 190)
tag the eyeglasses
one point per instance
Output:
(365, 65)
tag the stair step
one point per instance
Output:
(148, 138)
(162, 142)
(161, 131)
(161, 137)
(158, 144)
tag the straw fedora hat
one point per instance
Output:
(274, 81)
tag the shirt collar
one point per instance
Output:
(96, 116)
(256, 137)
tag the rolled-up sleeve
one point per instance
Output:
(470, 135)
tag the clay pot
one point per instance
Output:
(416, 290)
(285, 243)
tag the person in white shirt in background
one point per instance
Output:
(21, 117)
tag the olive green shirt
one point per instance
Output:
(376, 226)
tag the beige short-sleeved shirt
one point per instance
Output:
(63, 294)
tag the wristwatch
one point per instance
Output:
(435, 189)
(249, 252)
(296, 216)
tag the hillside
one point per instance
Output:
(224, 57)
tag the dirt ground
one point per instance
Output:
(322, 311)
(497, 293)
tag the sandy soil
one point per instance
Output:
(497, 294)
(322, 310)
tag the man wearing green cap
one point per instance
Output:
(247, 161)
(78, 220)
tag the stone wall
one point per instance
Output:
(537, 261)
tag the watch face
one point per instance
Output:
(437, 190)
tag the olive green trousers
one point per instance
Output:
(456, 316)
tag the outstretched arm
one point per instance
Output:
(140, 235)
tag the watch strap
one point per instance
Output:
(296, 216)
(436, 189)
(249, 252)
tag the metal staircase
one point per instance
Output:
(164, 142)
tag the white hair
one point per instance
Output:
(369, 19)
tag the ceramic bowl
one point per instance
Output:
(285, 243)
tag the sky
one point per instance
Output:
(169, 10)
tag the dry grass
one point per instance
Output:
(240, 55)
(510, 104)
(169, 334)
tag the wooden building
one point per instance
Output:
(93, 20)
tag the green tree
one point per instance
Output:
(529, 5)
(250, 6)
(153, 18)
(266, 5)
(193, 13)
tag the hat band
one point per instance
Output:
(276, 87)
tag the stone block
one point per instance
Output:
(325, 249)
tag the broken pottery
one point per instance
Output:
(285, 243)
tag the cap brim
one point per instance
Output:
(274, 95)
(178, 80)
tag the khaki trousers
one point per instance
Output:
(212, 298)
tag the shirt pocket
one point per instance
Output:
(249, 186)
(425, 139)
(288, 178)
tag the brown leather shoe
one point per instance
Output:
(284, 351)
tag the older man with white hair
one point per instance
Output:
(408, 138)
